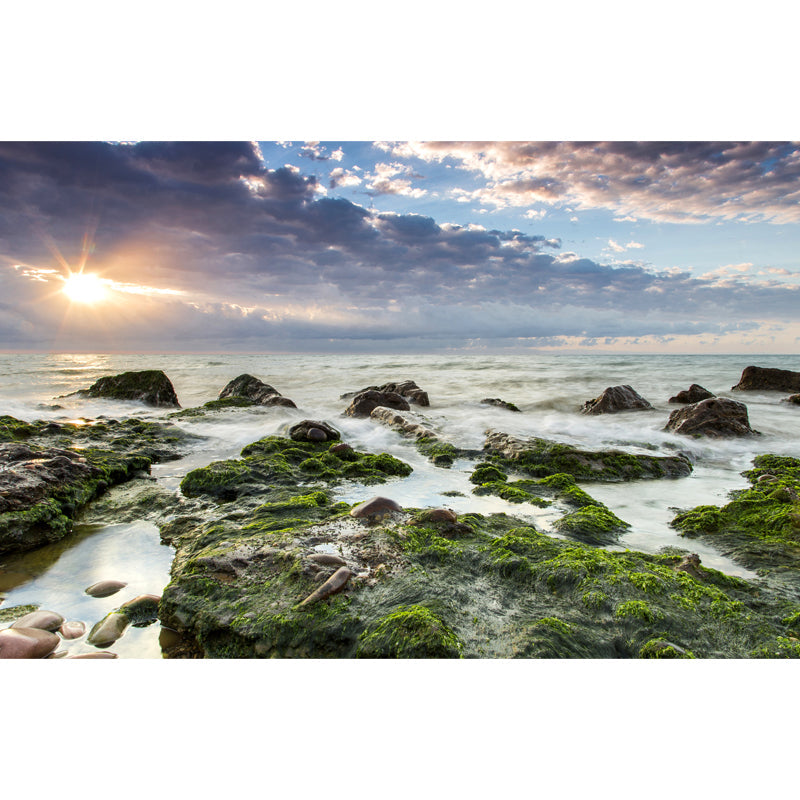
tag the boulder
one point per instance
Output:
(716, 416)
(365, 402)
(614, 399)
(252, 389)
(151, 387)
(495, 401)
(310, 430)
(27, 643)
(375, 508)
(406, 389)
(694, 394)
(767, 378)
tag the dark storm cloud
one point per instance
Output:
(263, 254)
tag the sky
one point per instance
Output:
(400, 246)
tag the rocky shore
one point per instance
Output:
(269, 564)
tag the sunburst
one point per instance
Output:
(85, 287)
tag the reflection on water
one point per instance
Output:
(55, 577)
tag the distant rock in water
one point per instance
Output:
(694, 394)
(794, 399)
(310, 430)
(251, 388)
(716, 416)
(755, 378)
(397, 421)
(151, 387)
(494, 401)
(408, 390)
(614, 399)
(365, 402)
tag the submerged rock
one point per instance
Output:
(141, 610)
(406, 389)
(251, 388)
(495, 401)
(27, 643)
(614, 399)
(72, 630)
(43, 620)
(794, 399)
(768, 378)
(717, 417)
(398, 422)
(694, 394)
(105, 588)
(151, 387)
(365, 402)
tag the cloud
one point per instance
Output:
(242, 256)
(662, 181)
(383, 181)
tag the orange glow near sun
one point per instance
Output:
(84, 287)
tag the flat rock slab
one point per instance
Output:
(768, 378)
(615, 399)
(27, 643)
(717, 417)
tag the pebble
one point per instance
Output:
(376, 508)
(73, 629)
(27, 643)
(105, 588)
(327, 558)
(43, 620)
(104, 654)
(108, 630)
(316, 435)
(334, 584)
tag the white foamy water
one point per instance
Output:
(549, 390)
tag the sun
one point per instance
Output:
(83, 287)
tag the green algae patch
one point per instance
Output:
(487, 473)
(409, 632)
(760, 526)
(12, 429)
(593, 524)
(661, 648)
(282, 462)
(442, 454)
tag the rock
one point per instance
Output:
(376, 508)
(104, 654)
(689, 564)
(694, 394)
(495, 401)
(767, 378)
(392, 419)
(436, 515)
(767, 478)
(72, 630)
(43, 620)
(334, 584)
(142, 609)
(27, 643)
(365, 402)
(327, 559)
(542, 457)
(105, 588)
(151, 387)
(717, 417)
(341, 449)
(406, 389)
(794, 399)
(251, 388)
(614, 399)
(310, 430)
(108, 630)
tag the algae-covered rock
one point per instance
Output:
(409, 632)
(255, 391)
(151, 387)
(541, 457)
(496, 401)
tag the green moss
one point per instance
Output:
(487, 473)
(781, 647)
(11, 613)
(556, 624)
(637, 609)
(12, 429)
(440, 453)
(514, 492)
(409, 632)
(660, 648)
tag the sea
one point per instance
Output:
(549, 390)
